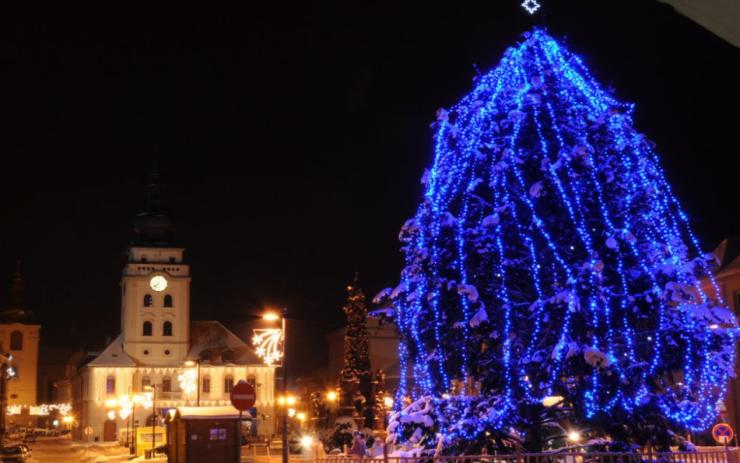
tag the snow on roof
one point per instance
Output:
(113, 356)
(205, 413)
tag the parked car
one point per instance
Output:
(15, 453)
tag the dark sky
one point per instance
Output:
(292, 136)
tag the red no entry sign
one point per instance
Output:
(243, 396)
(723, 433)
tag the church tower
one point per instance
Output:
(155, 288)
(19, 336)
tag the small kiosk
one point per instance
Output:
(205, 435)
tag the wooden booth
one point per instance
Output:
(205, 435)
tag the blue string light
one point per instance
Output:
(549, 237)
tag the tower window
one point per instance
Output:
(148, 300)
(147, 329)
(110, 385)
(16, 340)
(167, 329)
(172, 260)
(166, 384)
(207, 384)
(168, 300)
(228, 384)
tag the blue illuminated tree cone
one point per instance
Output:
(549, 258)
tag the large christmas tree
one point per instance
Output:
(552, 279)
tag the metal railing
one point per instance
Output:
(718, 455)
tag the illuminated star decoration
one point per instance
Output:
(188, 380)
(267, 342)
(531, 6)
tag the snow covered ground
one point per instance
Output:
(60, 450)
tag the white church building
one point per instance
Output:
(162, 359)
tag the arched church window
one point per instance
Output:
(168, 300)
(148, 300)
(16, 340)
(147, 329)
(167, 329)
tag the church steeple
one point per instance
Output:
(16, 310)
(17, 300)
(154, 226)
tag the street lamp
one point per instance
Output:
(273, 316)
(153, 389)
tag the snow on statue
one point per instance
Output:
(549, 258)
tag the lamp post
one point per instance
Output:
(153, 388)
(273, 316)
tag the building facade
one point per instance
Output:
(728, 279)
(162, 359)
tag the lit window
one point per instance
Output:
(228, 384)
(167, 329)
(110, 385)
(148, 300)
(217, 434)
(145, 381)
(16, 340)
(147, 330)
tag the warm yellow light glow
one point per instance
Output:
(388, 402)
(549, 401)
(268, 344)
(172, 412)
(291, 412)
(281, 401)
(189, 363)
(574, 436)
(188, 380)
(332, 396)
(301, 416)
(68, 419)
(713, 326)
(291, 400)
(306, 441)
(111, 403)
(111, 415)
(446, 396)
(270, 316)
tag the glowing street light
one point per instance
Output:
(574, 436)
(306, 442)
(270, 317)
(388, 402)
(332, 396)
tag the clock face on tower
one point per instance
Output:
(158, 283)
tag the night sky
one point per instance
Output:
(291, 139)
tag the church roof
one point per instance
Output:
(113, 356)
(210, 339)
